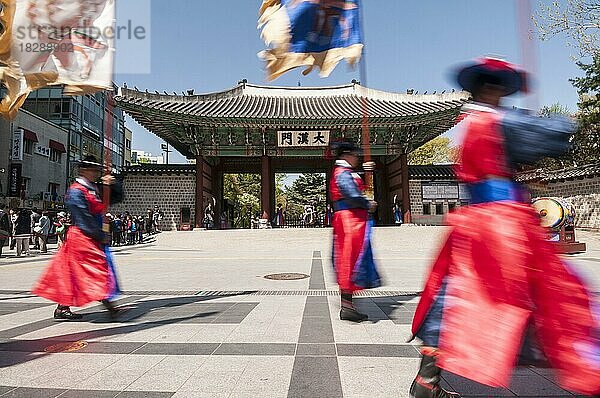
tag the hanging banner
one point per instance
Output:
(16, 150)
(14, 184)
(310, 33)
(55, 42)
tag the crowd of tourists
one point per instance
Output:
(28, 230)
(131, 229)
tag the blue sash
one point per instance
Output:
(495, 190)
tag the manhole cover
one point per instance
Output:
(288, 276)
(66, 347)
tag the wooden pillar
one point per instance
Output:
(266, 185)
(407, 216)
(199, 210)
(385, 207)
(217, 184)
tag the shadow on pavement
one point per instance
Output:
(27, 350)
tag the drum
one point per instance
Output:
(554, 212)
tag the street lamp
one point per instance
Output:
(165, 149)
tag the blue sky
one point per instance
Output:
(211, 45)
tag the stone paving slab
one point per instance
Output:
(205, 323)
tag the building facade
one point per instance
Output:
(127, 152)
(33, 158)
(140, 157)
(94, 125)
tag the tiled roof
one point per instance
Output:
(570, 173)
(431, 172)
(180, 118)
(160, 169)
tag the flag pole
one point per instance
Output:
(366, 136)
(107, 158)
(528, 50)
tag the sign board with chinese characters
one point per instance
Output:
(287, 139)
(14, 180)
(42, 150)
(440, 190)
(16, 150)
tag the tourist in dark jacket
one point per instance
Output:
(23, 231)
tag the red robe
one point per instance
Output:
(501, 275)
(80, 272)
(349, 228)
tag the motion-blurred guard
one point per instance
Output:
(352, 253)
(496, 279)
(83, 270)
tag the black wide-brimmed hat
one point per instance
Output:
(89, 162)
(339, 148)
(492, 70)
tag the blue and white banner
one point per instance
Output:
(310, 33)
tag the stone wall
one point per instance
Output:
(168, 190)
(582, 193)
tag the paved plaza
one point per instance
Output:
(204, 322)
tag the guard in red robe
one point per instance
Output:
(352, 226)
(83, 269)
(497, 282)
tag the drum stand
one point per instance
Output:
(567, 244)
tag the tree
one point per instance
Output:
(579, 20)
(243, 190)
(587, 138)
(308, 189)
(436, 151)
(567, 160)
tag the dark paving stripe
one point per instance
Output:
(23, 392)
(89, 394)
(316, 350)
(264, 349)
(4, 390)
(231, 293)
(90, 314)
(378, 350)
(317, 279)
(177, 349)
(316, 323)
(315, 376)
(27, 328)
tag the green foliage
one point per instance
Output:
(587, 138)
(243, 190)
(308, 189)
(436, 151)
(567, 160)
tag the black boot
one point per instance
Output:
(64, 312)
(348, 312)
(113, 311)
(427, 382)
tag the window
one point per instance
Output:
(128, 144)
(28, 147)
(439, 208)
(53, 189)
(426, 209)
(451, 207)
(25, 185)
(55, 156)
